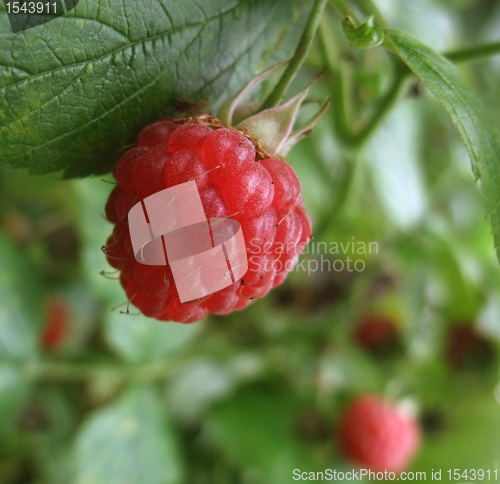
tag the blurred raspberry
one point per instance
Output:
(467, 349)
(376, 434)
(376, 334)
(56, 324)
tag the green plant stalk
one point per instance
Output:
(394, 91)
(472, 53)
(343, 9)
(350, 165)
(344, 184)
(301, 53)
(341, 109)
(69, 371)
(335, 74)
(385, 104)
(369, 8)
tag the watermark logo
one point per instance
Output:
(26, 14)
(205, 255)
(316, 256)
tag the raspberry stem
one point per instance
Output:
(301, 53)
(476, 52)
(369, 8)
(60, 371)
(341, 100)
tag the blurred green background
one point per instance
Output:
(91, 396)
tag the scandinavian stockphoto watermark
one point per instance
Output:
(316, 256)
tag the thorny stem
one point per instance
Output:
(301, 52)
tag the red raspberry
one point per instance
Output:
(286, 183)
(228, 149)
(157, 133)
(189, 136)
(467, 349)
(182, 166)
(147, 172)
(378, 435)
(234, 180)
(376, 334)
(56, 324)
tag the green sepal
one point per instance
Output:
(273, 126)
(228, 109)
(304, 130)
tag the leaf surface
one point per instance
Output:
(464, 107)
(76, 90)
(129, 442)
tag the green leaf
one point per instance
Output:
(352, 370)
(464, 107)
(257, 429)
(197, 385)
(129, 442)
(76, 90)
(468, 439)
(141, 339)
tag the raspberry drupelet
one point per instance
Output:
(234, 180)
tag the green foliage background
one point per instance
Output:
(249, 397)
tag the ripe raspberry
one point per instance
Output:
(157, 133)
(467, 349)
(234, 180)
(56, 324)
(376, 334)
(376, 434)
